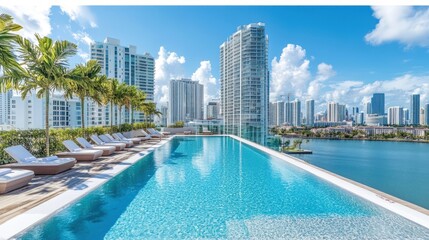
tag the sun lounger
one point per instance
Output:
(47, 165)
(109, 139)
(11, 179)
(79, 153)
(120, 137)
(135, 134)
(119, 146)
(206, 131)
(107, 150)
(141, 133)
(154, 133)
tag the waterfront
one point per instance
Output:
(397, 168)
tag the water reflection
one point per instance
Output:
(204, 159)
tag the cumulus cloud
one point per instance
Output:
(397, 91)
(204, 76)
(168, 65)
(86, 40)
(33, 19)
(324, 72)
(290, 73)
(81, 14)
(406, 24)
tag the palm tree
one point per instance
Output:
(111, 96)
(149, 109)
(45, 70)
(86, 83)
(122, 97)
(7, 40)
(137, 103)
(127, 98)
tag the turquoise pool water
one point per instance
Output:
(398, 168)
(219, 188)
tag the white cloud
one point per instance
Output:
(81, 14)
(83, 38)
(290, 74)
(324, 72)
(397, 91)
(204, 76)
(33, 19)
(168, 65)
(406, 24)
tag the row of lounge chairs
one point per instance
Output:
(19, 174)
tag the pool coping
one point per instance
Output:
(22, 222)
(401, 207)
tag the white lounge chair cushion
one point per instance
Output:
(15, 174)
(49, 159)
(29, 159)
(5, 171)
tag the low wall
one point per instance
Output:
(179, 130)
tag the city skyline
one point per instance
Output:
(331, 63)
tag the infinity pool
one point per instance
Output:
(220, 188)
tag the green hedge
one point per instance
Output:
(34, 140)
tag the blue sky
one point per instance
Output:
(327, 53)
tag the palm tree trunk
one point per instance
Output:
(111, 116)
(47, 122)
(132, 115)
(82, 114)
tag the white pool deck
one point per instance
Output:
(22, 222)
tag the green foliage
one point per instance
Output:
(35, 140)
(178, 124)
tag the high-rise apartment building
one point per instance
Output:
(213, 108)
(426, 122)
(124, 64)
(406, 116)
(5, 107)
(336, 112)
(280, 113)
(309, 108)
(272, 114)
(368, 108)
(244, 82)
(296, 115)
(288, 113)
(29, 113)
(422, 116)
(377, 104)
(415, 109)
(395, 116)
(186, 99)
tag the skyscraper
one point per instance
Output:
(124, 64)
(336, 112)
(296, 115)
(406, 116)
(377, 104)
(288, 113)
(395, 116)
(244, 82)
(309, 108)
(426, 114)
(280, 113)
(368, 108)
(212, 110)
(414, 109)
(185, 102)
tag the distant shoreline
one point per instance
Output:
(360, 139)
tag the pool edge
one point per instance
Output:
(396, 205)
